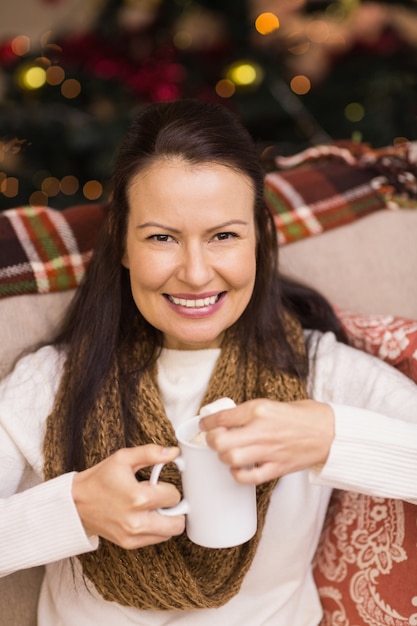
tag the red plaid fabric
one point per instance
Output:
(313, 198)
(327, 186)
(43, 250)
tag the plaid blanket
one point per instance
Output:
(328, 186)
(43, 250)
(327, 199)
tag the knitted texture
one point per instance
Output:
(176, 574)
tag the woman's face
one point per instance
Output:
(191, 249)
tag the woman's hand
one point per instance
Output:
(113, 504)
(264, 439)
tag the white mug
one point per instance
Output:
(220, 512)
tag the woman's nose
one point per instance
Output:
(195, 267)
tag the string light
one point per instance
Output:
(43, 62)
(32, 77)
(92, 190)
(38, 198)
(10, 187)
(55, 75)
(300, 85)
(225, 88)
(266, 23)
(354, 112)
(69, 185)
(71, 88)
(244, 74)
(51, 186)
(20, 45)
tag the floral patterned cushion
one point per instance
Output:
(393, 339)
(366, 563)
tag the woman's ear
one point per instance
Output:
(125, 260)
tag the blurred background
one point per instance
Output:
(73, 73)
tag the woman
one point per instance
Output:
(183, 304)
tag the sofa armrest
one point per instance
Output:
(368, 266)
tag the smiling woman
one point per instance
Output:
(190, 278)
(182, 305)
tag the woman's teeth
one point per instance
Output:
(194, 304)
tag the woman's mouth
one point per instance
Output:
(194, 303)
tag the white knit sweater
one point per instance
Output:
(371, 452)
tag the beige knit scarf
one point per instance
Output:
(176, 574)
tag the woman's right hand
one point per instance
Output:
(111, 503)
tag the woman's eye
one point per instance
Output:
(162, 238)
(225, 236)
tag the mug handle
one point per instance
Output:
(182, 507)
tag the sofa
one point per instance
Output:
(364, 264)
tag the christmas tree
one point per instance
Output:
(298, 73)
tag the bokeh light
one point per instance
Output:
(51, 186)
(71, 88)
(317, 31)
(55, 75)
(244, 73)
(32, 77)
(266, 23)
(354, 112)
(43, 62)
(10, 186)
(92, 190)
(69, 185)
(225, 88)
(300, 85)
(20, 45)
(38, 198)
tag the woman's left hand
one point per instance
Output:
(264, 439)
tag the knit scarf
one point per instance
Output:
(176, 574)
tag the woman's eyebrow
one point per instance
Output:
(158, 225)
(226, 224)
(164, 227)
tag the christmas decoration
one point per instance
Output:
(298, 72)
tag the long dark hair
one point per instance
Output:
(103, 314)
